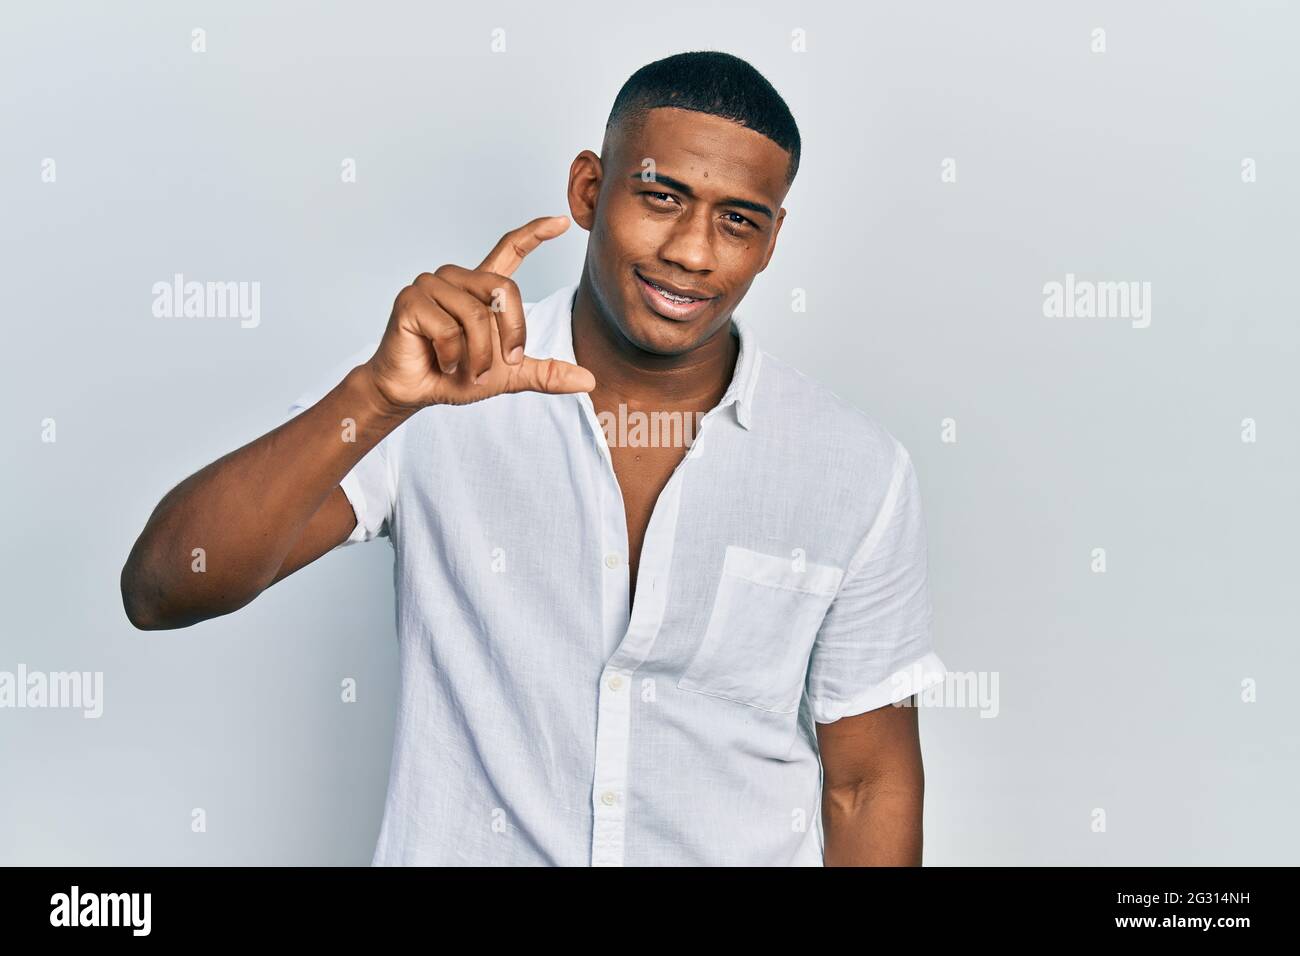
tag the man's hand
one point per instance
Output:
(457, 335)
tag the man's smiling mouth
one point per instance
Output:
(670, 303)
(675, 293)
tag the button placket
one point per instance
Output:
(613, 713)
(613, 722)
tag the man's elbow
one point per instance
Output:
(154, 604)
(902, 787)
(148, 603)
(140, 610)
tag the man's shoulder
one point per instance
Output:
(805, 409)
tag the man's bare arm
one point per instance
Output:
(258, 513)
(873, 788)
(265, 510)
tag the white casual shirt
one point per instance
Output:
(782, 582)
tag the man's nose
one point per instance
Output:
(690, 243)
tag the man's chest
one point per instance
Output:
(707, 565)
(642, 474)
(551, 504)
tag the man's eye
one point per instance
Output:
(739, 220)
(655, 196)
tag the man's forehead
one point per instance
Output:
(706, 150)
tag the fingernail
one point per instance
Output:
(516, 355)
(451, 369)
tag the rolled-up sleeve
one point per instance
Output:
(875, 645)
(370, 486)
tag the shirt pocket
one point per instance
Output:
(761, 629)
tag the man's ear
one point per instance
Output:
(585, 176)
(771, 248)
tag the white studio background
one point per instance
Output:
(957, 159)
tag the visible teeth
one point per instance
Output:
(668, 295)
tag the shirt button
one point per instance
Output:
(611, 560)
(615, 682)
(607, 798)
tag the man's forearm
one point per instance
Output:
(246, 509)
(873, 826)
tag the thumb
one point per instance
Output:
(552, 376)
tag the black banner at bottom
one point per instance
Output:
(341, 905)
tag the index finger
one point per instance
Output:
(506, 256)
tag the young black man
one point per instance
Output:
(615, 649)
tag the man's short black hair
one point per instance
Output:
(709, 82)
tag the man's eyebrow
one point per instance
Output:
(686, 190)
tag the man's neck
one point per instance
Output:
(625, 373)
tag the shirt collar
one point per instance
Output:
(557, 342)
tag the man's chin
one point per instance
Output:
(660, 336)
